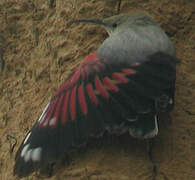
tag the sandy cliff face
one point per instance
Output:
(39, 49)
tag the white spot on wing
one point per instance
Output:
(43, 112)
(170, 101)
(45, 123)
(27, 156)
(31, 154)
(135, 64)
(52, 121)
(27, 137)
(24, 150)
(36, 154)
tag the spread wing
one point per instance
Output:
(97, 97)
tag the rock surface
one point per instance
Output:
(40, 48)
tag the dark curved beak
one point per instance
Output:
(93, 21)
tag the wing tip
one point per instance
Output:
(21, 170)
(26, 161)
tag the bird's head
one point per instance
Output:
(120, 22)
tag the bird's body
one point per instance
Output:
(122, 87)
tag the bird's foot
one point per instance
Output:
(150, 145)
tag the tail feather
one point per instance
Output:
(145, 127)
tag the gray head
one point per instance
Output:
(120, 22)
(131, 35)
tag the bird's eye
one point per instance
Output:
(114, 25)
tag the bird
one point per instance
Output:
(120, 88)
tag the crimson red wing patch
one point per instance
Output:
(73, 95)
(97, 97)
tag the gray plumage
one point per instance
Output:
(136, 36)
(123, 87)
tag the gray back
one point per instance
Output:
(135, 43)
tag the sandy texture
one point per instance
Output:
(39, 49)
